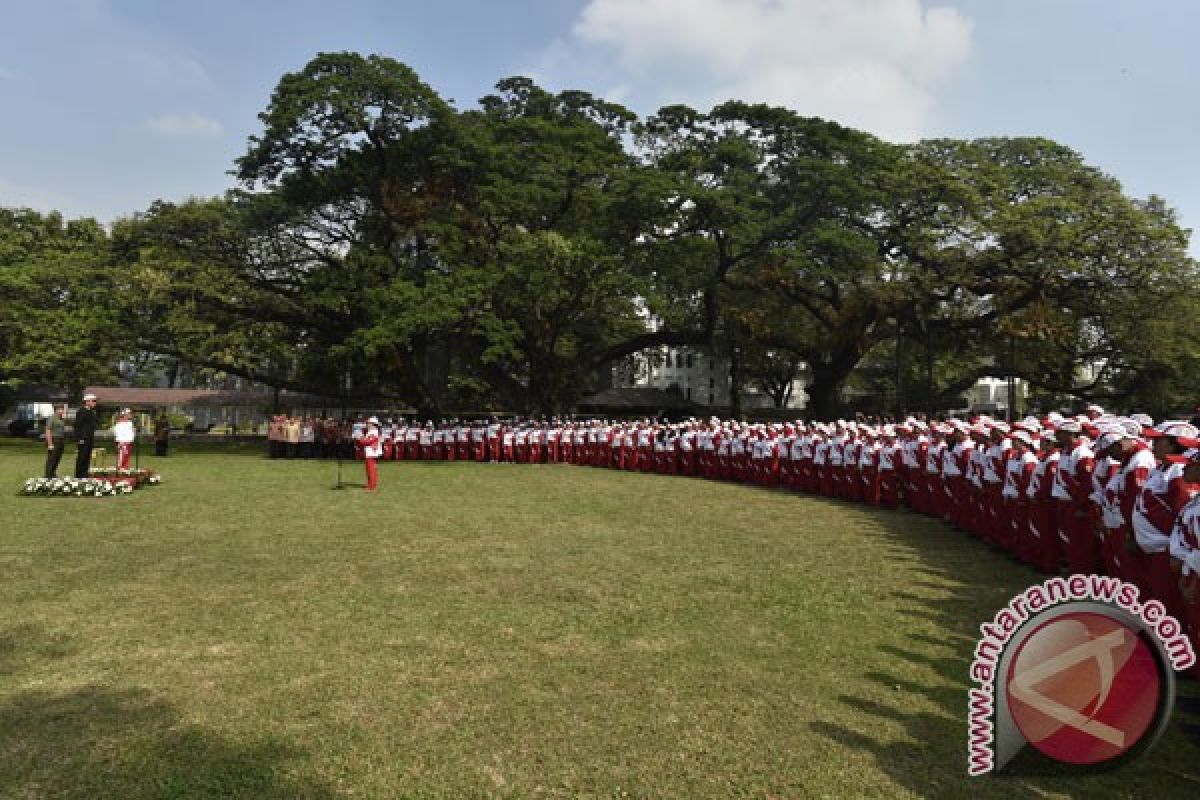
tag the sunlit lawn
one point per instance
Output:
(244, 630)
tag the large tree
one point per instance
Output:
(779, 213)
(379, 231)
(513, 252)
(1039, 258)
(553, 231)
(60, 310)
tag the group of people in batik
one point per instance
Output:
(309, 437)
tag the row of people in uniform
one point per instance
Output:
(1094, 493)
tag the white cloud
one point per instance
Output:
(874, 64)
(165, 67)
(189, 124)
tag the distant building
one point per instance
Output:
(990, 395)
(699, 374)
(703, 377)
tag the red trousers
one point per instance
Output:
(786, 475)
(1164, 584)
(372, 474)
(997, 521)
(1077, 534)
(1043, 524)
(123, 452)
(1192, 582)
(808, 477)
(870, 485)
(931, 495)
(1133, 561)
(1112, 547)
(1018, 539)
(889, 488)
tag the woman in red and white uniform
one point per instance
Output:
(124, 434)
(1164, 495)
(369, 442)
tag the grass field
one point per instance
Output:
(493, 630)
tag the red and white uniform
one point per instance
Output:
(1185, 547)
(1013, 533)
(1157, 507)
(1073, 490)
(1043, 517)
(123, 433)
(372, 449)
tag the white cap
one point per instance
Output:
(373, 420)
(1109, 438)
(1023, 437)
(89, 396)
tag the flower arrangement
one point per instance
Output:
(108, 482)
(77, 487)
(135, 477)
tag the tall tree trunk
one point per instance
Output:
(827, 377)
(735, 383)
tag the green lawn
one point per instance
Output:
(493, 630)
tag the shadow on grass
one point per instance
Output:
(103, 742)
(98, 742)
(961, 575)
(23, 647)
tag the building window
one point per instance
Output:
(689, 360)
(712, 384)
(689, 393)
(678, 360)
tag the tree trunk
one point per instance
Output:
(823, 402)
(735, 384)
(827, 376)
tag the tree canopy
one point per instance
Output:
(509, 254)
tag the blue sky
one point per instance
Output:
(111, 104)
